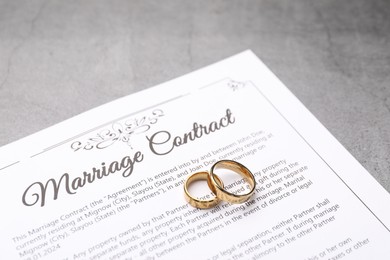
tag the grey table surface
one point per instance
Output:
(61, 58)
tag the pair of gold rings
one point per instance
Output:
(217, 187)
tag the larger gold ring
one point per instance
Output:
(199, 203)
(238, 168)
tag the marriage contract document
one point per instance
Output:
(108, 184)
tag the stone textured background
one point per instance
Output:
(61, 58)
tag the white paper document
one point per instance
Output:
(108, 184)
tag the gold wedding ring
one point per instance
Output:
(220, 191)
(198, 203)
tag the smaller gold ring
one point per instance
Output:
(197, 203)
(238, 168)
